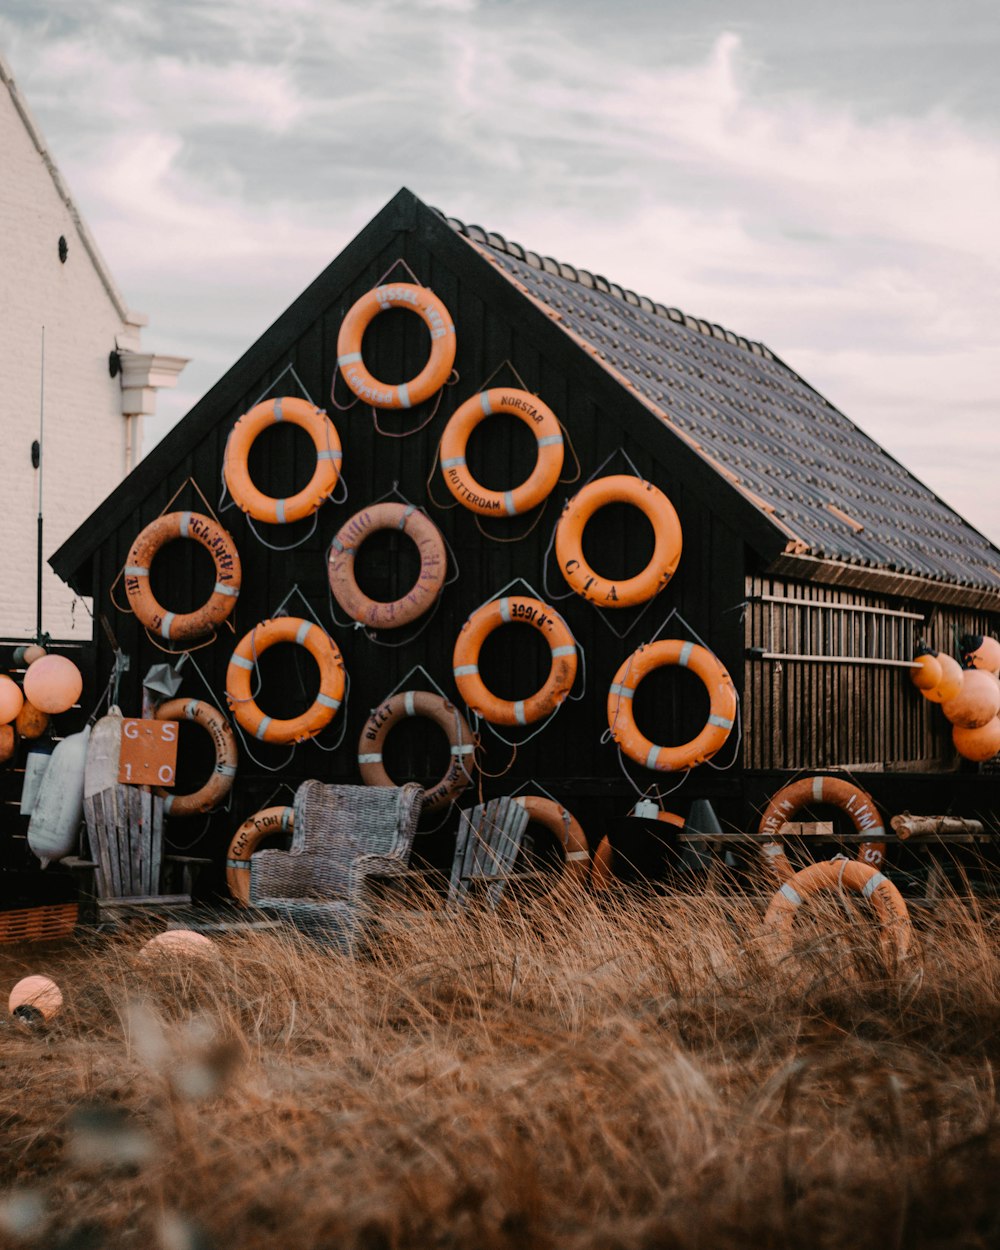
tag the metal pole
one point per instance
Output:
(41, 474)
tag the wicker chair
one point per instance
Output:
(343, 836)
(489, 838)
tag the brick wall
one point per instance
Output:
(84, 431)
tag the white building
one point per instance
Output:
(87, 390)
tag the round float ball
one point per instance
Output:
(8, 742)
(53, 684)
(31, 723)
(977, 702)
(182, 942)
(35, 999)
(19, 656)
(979, 651)
(33, 653)
(927, 676)
(949, 685)
(11, 699)
(977, 744)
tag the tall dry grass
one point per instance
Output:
(643, 1072)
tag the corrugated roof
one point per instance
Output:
(830, 485)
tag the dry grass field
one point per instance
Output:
(646, 1072)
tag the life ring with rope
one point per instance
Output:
(461, 743)
(858, 804)
(243, 663)
(246, 839)
(540, 420)
(420, 300)
(228, 574)
(421, 596)
(220, 781)
(721, 714)
(235, 461)
(668, 541)
(562, 672)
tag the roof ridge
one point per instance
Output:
(597, 282)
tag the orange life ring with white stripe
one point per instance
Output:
(220, 781)
(658, 510)
(320, 486)
(544, 425)
(422, 594)
(219, 545)
(461, 742)
(850, 798)
(562, 672)
(246, 839)
(602, 873)
(324, 651)
(566, 830)
(863, 879)
(431, 378)
(721, 712)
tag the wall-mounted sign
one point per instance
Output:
(149, 753)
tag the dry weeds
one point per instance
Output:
(640, 1073)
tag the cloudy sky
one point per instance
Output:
(823, 177)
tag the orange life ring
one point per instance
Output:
(219, 545)
(850, 798)
(602, 872)
(658, 510)
(721, 712)
(461, 741)
(220, 780)
(246, 839)
(324, 651)
(566, 830)
(424, 591)
(863, 879)
(542, 422)
(431, 378)
(320, 486)
(479, 626)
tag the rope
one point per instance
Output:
(423, 424)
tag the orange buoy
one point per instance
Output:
(11, 699)
(980, 651)
(31, 722)
(602, 873)
(927, 676)
(977, 702)
(8, 742)
(980, 744)
(53, 684)
(437, 318)
(35, 998)
(950, 683)
(33, 653)
(181, 943)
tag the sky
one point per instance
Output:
(824, 178)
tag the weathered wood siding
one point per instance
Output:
(858, 712)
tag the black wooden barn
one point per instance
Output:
(812, 564)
